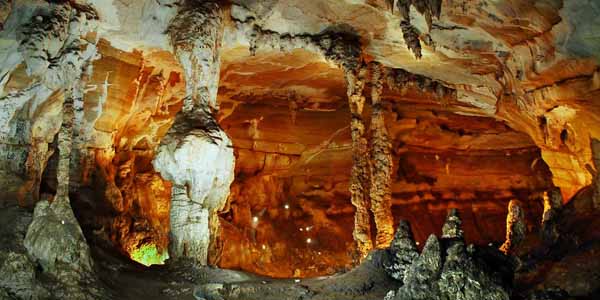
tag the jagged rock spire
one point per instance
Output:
(403, 251)
(452, 228)
(421, 277)
(444, 270)
(515, 226)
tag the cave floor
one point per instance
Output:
(126, 280)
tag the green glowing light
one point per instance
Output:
(148, 255)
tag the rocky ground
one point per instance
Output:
(445, 268)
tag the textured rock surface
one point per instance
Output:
(482, 102)
(448, 270)
(19, 274)
(403, 250)
(200, 168)
(196, 155)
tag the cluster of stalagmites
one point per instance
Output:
(446, 268)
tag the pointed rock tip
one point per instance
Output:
(452, 227)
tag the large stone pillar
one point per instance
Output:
(359, 177)
(196, 155)
(381, 165)
(54, 238)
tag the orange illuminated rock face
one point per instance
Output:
(138, 95)
(293, 166)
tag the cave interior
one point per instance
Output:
(284, 149)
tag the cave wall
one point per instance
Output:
(293, 153)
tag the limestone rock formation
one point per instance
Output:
(403, 251)
(55, 240)
(287, 138)
(201, 169)
(196, 154)
(450, 270)
(515, 226)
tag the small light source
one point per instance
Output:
(301, 229)
(296, 280)
(287, 206)
(417, 243)
(264, 247)
(255, 219)
(62, 222)
(319, 252)
(308, 228)
(308, 240)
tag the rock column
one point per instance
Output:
(359, 177)
(54, 238)
(381, 165)
(196, 155)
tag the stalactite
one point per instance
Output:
(552, 206)
(381, 165)
(404, 8)
(359, 177)
(515, 226)
(411, 38)
(429, 9)
(196, 34)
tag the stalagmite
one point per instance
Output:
(359, 177)
(552, 206)
(196, 155)
(54, 238)
(381, 165)
(595, 145)
(403, 252)
(452, 228)
(515, 226)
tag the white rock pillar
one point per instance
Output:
(196, 155)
